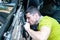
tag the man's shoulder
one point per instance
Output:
(45, 18)
(48, 18)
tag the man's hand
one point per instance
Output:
(27, 26)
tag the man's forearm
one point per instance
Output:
(43, 34)
(33, 34)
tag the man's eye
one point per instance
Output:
(28, 17)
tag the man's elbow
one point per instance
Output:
(38, 38)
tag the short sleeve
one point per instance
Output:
(45, 22)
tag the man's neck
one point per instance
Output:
(39, 18)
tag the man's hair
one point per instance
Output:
(33, 10)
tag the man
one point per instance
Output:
(48, 28)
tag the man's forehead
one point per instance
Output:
(28, 14)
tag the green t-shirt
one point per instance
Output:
(53, 25)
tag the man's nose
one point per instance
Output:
(27, 20)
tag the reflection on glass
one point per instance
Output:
(6, 6)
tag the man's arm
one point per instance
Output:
(43, 34)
